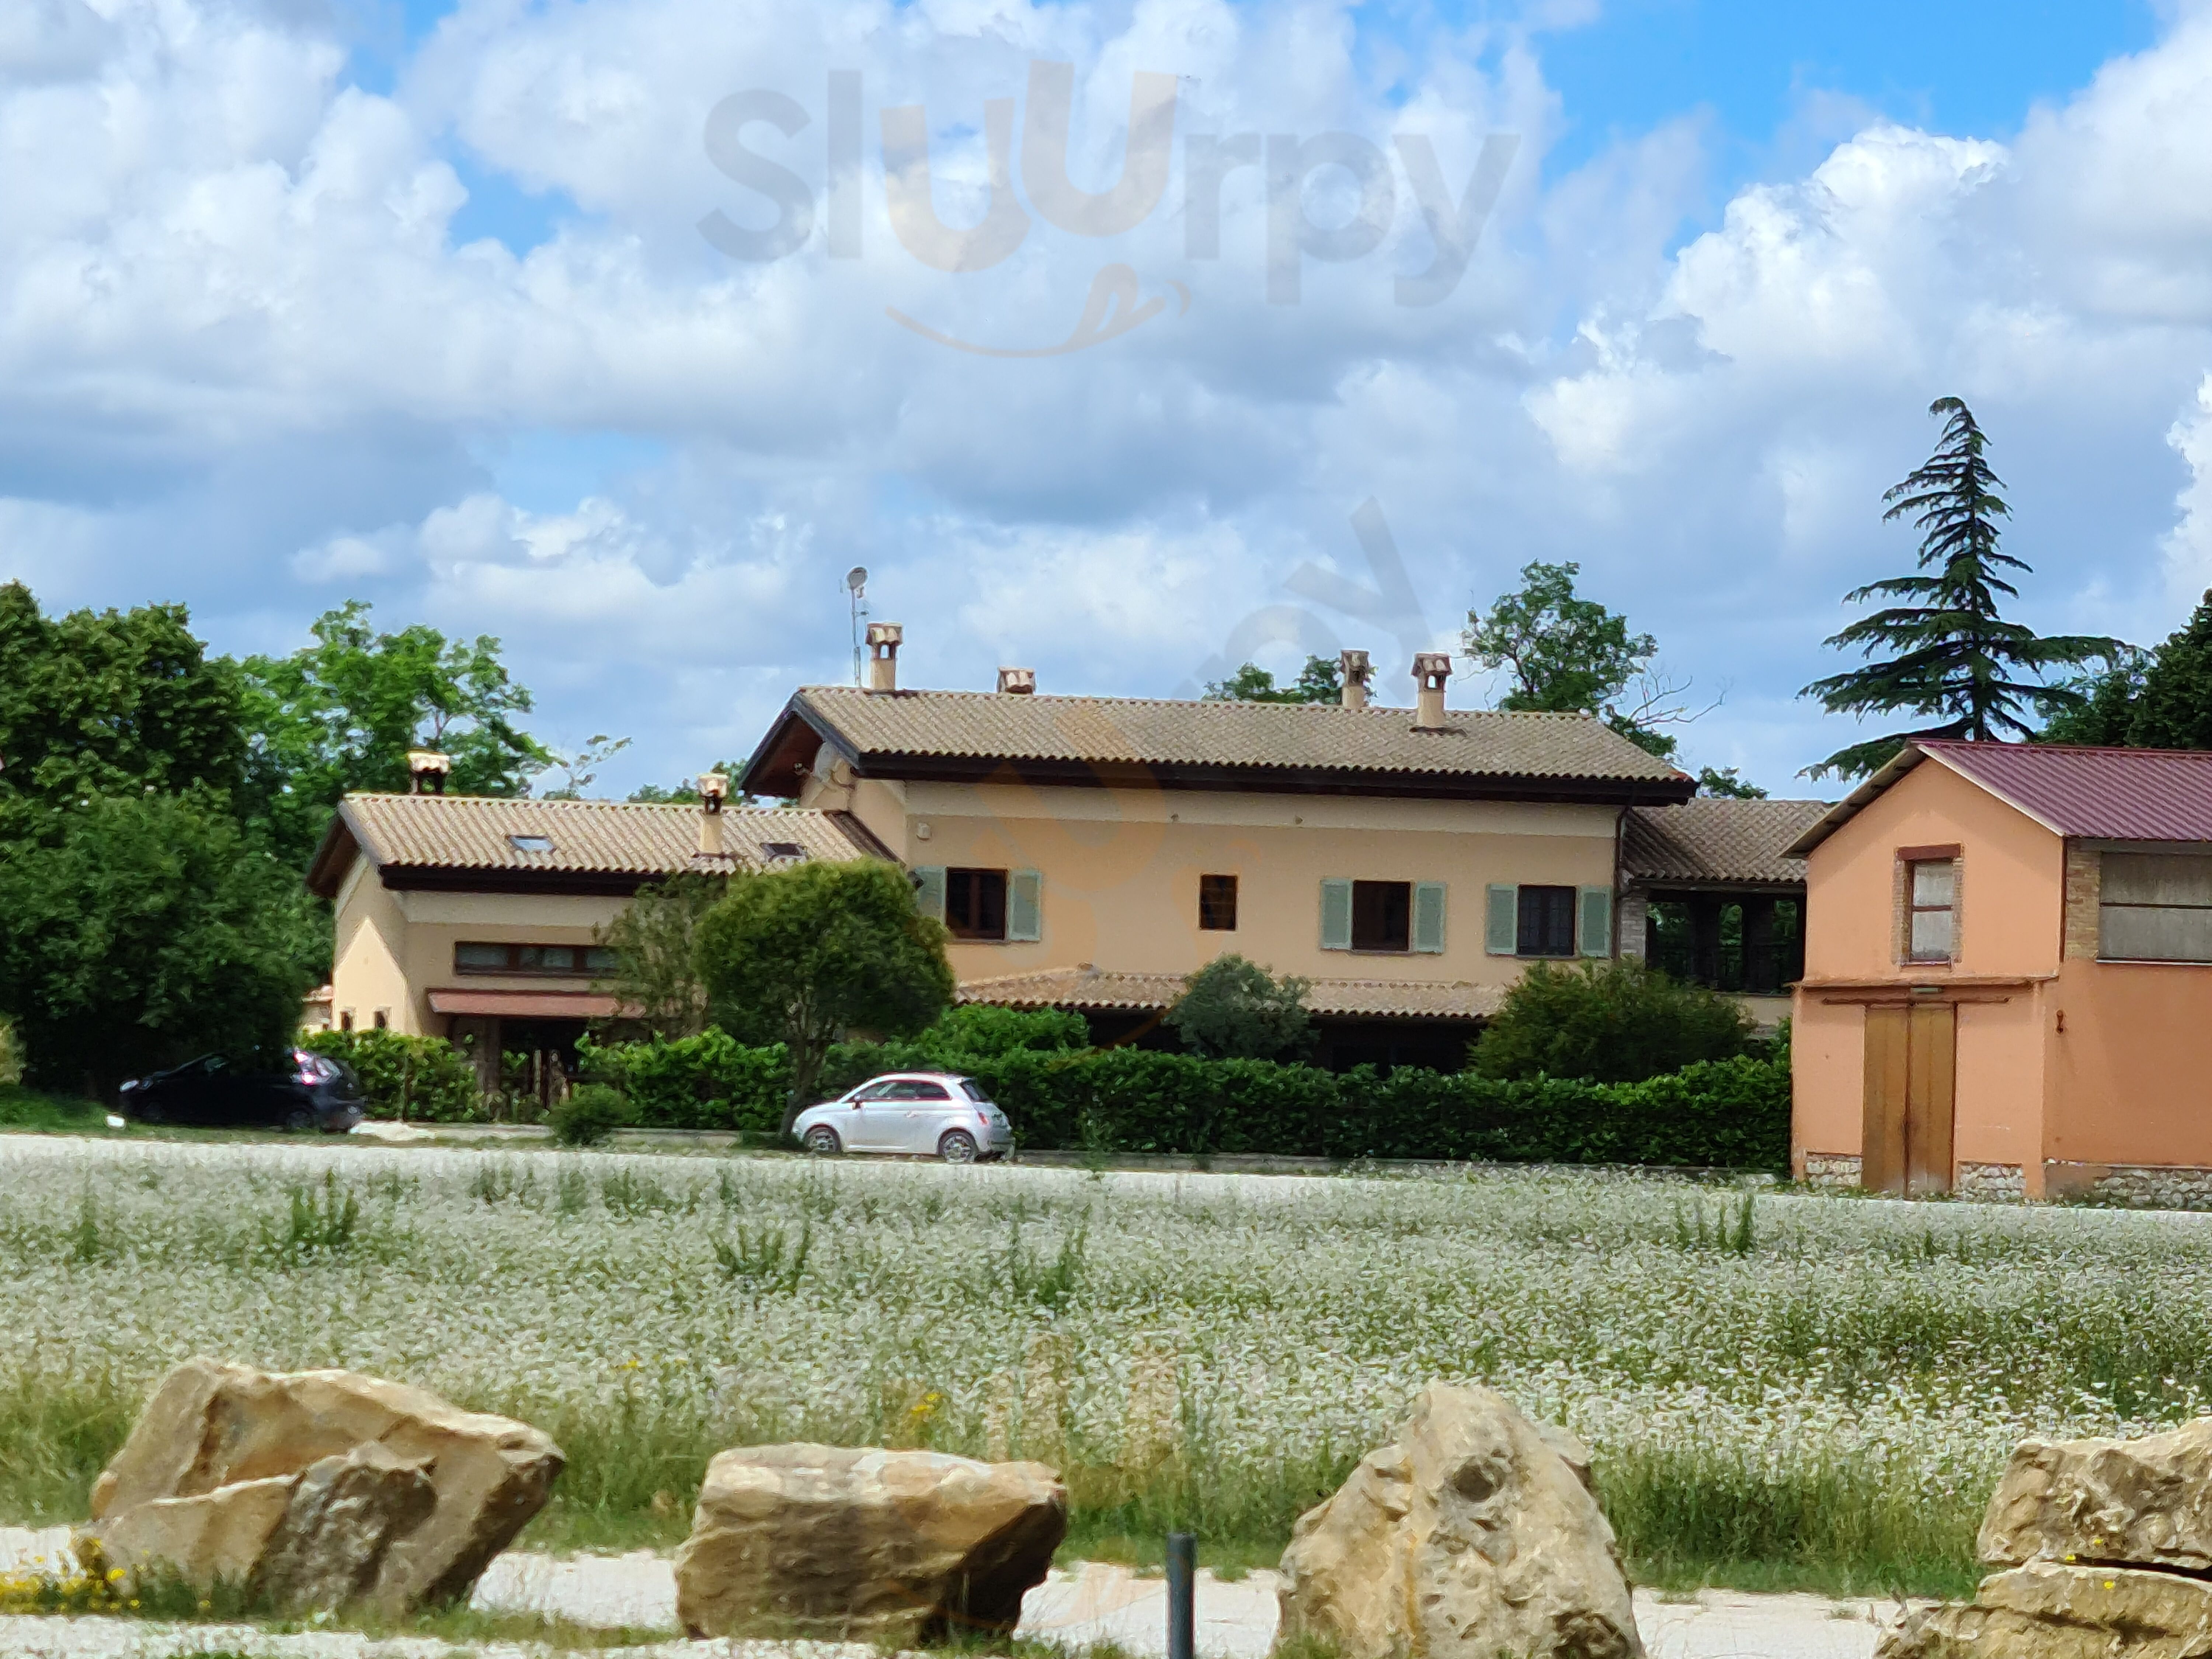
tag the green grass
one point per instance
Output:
(29, 1108)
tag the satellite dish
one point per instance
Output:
(857, 578)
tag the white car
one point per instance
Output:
(919, 1113)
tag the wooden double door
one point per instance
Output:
(1911, 1064)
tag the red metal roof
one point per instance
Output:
(2111, 794)
(2103, 794)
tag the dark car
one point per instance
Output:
(317, 1092)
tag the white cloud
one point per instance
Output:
(245, 357)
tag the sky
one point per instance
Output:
(1125, 341)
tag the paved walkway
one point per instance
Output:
(1092, 1603)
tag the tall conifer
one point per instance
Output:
(1953, 659)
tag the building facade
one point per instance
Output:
(2008, 971)
(1087, 853)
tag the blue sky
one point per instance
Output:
(406, 301)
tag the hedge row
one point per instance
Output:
(424, 1079)
(1732, 1113)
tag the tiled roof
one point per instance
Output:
(583, 837)
(1254, 737)
(1707, 841)
(1087, 988)
(2105, 795)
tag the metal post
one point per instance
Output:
(1183, 1572)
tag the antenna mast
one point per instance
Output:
(856, 586)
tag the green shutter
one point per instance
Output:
(1025, 906)
(1501, 921)
(1429, 917)
(1594, 922)
(1336, 915)
(929, 890)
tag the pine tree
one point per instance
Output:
(1956, 660)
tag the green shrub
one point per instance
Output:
(973, 1028)
(1234, 1009)
(423, 1079)
(710, 1081)
(11, 1057)
(1730, 1113)
(1611, 1022)
(592, 1112)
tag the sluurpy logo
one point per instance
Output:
(1288, 165)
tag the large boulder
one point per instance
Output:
(1474, 1535)
(866, 1544)
(314, 1488)
(2145, 1502)
(2050, 1611)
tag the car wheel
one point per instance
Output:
(150, 1114)
(298, 1120)
(958, 1146)
(822, 1141)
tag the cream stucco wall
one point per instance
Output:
(394, 948)
(1120, 868)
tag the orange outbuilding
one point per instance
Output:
(2008, 987)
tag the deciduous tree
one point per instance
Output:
(1950, 658)
(1612, 1022)
(107, 703)
(656, 978)
(141, 930)
(341, 714)
(1318, 681)
(803, 957)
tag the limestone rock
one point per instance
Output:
(1474, 1535)
(2146, 1501)
(319, 1486)
(2047, 1610)
(865, 1544)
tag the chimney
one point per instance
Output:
(1430, 670)
(1017, 682)
(883, 640)
(1355, 671)
(426, 771)
(713, 787)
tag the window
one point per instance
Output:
(383, 1019)
(1382, 916)
(975, 1091)
(345, 1020)
(530, 843)
(1546, 924)
(783, 852)
(1217, 903)
(1931, 897)
(2154, 907)
(982, 904)
(570, 961)
(976, 903)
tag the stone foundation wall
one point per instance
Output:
(2139, 1186)
(1831, 1169)
(1993, 1183)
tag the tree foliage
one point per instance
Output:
(1952, 658)
(1725, 783)
(341, 714)
(1319, 681)
(1610, 1022)
(2172, 708)
(803, 955)
(655, 939)
(1565, 655)
(1234, 1009)
(144, 929)
(108, 702)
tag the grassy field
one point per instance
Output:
(1782, 1390)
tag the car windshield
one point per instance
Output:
(974, 1089)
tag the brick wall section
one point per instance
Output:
(1900, 915)
(1832, 1170)
(2084, 879)
(1997, 1183)
(1634, 914)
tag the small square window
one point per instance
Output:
(530, 843)
(782, 852)
(1217, 903)
(1382, 916)
(1547, 922)
(976, 903)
